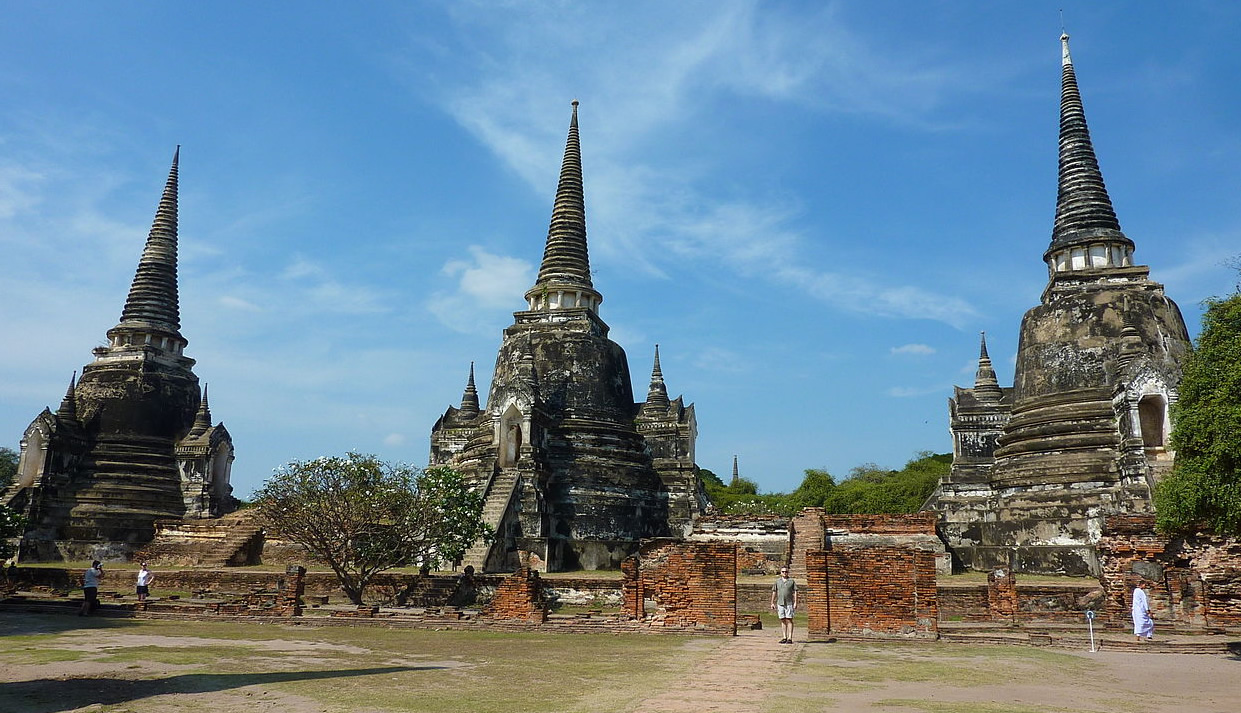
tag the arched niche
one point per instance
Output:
(511, 436)
(33, 459)
(1153, 420)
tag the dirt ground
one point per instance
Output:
(59, 664)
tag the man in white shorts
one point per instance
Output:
(784, 603)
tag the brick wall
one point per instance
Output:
(806, 533)
(763, 539)
(872, 591)
(1196, 578)
(519, 597)
(683, 585)
(1001, 595)
(922, 523)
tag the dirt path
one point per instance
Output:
(734, 678)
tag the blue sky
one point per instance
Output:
(813, 208)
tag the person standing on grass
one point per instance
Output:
(145, 577)
(784, 603)
(90, 588)
(1143, 624)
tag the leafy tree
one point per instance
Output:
(1204, 488)
(362, 516)
(814, 491)
(11, 525)
(8, 467)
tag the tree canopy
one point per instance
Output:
(362, 516)
(1204, 488)
(867, 489)
(8, 466)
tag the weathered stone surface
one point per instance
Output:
(132, 442)
(575, 472)
(1083, 432)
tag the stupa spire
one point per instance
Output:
(68, 410)
(657, 395)
(1084, 213)
(202, 419)
(736, 474)
(564, 276)
(152, 305)
(469, 399)
(986, 386)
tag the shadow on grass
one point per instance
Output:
(13, 623)
(48, 695)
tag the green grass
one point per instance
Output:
(337, 667)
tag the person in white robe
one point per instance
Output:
(1143, 625)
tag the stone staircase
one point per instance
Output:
(229, 541)
(499, 495)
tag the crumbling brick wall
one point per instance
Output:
(687, 584)
(763, 539)
(518, 597)
(806, 534)
(1001, 595)
(922, 523)
(1197, 578)
(872, 591)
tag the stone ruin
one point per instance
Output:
(1082, 433)
(132, 442)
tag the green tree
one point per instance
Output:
(1204, 488)
(8, 467)
(11, 525)
(814, 491)
(362, 516)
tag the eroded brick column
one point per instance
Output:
(819, 624)
(1001, 595)
(806, 534)
(518, 597)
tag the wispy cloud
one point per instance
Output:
(485, 288)
(913, 349)
(651, 213)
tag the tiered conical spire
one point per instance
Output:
(736, 474)
(566, 262)
(657, 395)
(1084, 212)
(469, 399)
(986, 386)
(68, 411)
(152, 303)
(202, 419)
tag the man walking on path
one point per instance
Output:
(784, 603)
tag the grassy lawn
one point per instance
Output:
(61, 663)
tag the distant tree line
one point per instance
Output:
(868, 489)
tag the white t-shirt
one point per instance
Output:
(144, 577)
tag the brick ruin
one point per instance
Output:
(875, 591)
(762, 540)
(519, 598)
(688, 585)
(1196, 578)
(813, 529)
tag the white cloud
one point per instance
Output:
(486, 288)
(650, 213)
(913, 349)
(906, 392)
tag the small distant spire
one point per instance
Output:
(202, 419)
(68, 410)
(152, 303)
(1084, 212)
(986, 386)
(1131, 343)
(736, 474)
(469, 400)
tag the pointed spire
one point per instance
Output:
(152, 303)
(68, 411)
(1131, 343)
(202, 419)
(1084, 212)
(566, 262)
(736, 474)
(657, 395)
(469, 399)
(986, 386)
